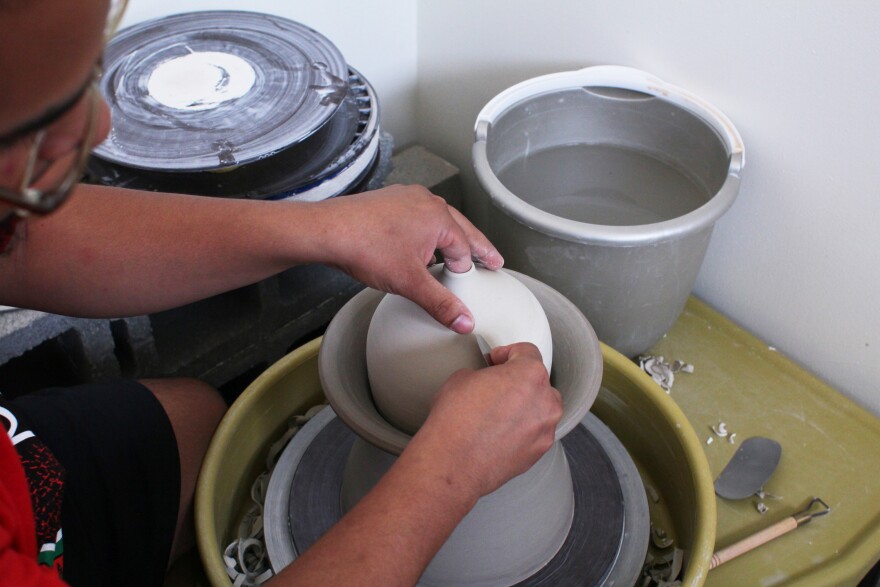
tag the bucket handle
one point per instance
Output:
(610, 76)
(619, 94)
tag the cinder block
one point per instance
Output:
(39, 349)
(417, 165)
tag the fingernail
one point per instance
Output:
(463, 324)
(493, 260)
(465, 266)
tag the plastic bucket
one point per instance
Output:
(605, 184)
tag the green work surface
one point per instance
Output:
(830, 449)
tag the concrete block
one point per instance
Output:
(417, 165)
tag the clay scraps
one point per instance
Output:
(662, 570)
(246, 559)
(662, 372)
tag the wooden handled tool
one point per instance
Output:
(767, 534)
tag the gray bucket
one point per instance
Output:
(606, 184)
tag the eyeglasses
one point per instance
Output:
(114, 18)
(32, 196)
(44, 185)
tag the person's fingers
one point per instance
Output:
(456, 244)
(520, 350)
(453, 244)
(481, 249)
(440, 303)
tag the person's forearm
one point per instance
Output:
(116, 252)
(392, 534)
(112, 252)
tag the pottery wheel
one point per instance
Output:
(605, 546)
(217, 89)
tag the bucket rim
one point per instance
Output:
(617, 77)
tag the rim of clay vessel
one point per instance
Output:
(342, 364)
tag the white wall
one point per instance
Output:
(378, 38)
(797, 259)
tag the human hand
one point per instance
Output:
(488, 426)
(387, 238)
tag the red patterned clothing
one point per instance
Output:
(18, 548)
(114, 448)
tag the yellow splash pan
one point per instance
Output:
(647, 421)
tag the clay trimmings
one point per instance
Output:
(200, 80)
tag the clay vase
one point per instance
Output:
(507, 537)
(516, 530)
(410, 355)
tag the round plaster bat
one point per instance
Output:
(410, 355)
(200, 80)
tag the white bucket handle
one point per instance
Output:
(615, 76)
